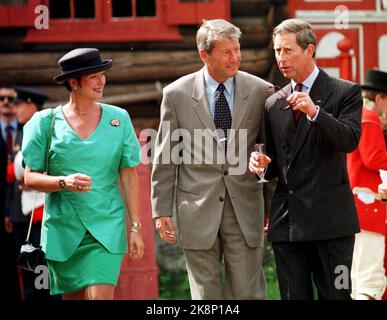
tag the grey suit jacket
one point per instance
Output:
(198, 186)
(313, 200)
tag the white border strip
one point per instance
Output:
(329, 16)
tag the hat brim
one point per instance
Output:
(106, 64)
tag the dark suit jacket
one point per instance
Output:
(313, 199)
(3, 184)
(14, 193)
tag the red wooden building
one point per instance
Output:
(110, 20)
(364, 22)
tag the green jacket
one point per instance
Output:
(101, 211)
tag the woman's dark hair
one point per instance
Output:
(371, 94)
(67, 83)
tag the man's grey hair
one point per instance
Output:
(217, 29)
(302, 29)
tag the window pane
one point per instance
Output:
(13, 2)
(146, 8)
(84, 9)
(122, 8)
(196, 0)
(59, 9)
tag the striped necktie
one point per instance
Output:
(297, 113)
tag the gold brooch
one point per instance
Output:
(115, 122)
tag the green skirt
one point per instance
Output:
(90, 264)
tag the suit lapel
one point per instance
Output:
(202, 108)
(201, 105)
(319, 94)
(240, 103)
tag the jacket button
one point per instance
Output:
(221, 199)
(375, 210)
(291, 192)
(225, 172)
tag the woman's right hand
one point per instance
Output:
(136, 245)
(78, 182)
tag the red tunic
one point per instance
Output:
(363, 167)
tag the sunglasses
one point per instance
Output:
(11, 99)
(282, 94)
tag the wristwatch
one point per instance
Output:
(62, 183)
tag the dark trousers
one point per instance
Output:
(326, 263)
(10, 283)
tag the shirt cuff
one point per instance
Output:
(315, 116)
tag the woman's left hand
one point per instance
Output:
(136, 245)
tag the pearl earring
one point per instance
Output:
(75, 88)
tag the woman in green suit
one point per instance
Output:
(91, 145)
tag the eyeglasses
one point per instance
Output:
(11, 99)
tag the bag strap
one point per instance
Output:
(36, 192)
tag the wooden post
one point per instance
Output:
(345, 45)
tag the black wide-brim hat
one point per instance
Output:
(375, 80)
(79, 62)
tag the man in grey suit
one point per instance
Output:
(312, 123)
(217, 113)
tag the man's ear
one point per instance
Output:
(378, 97)
(73, 83)
(203, 55)
(310, 49)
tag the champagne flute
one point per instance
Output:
(260, 148)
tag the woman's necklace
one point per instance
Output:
(84, 112)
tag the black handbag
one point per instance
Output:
(30, 256)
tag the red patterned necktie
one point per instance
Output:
(297, 113)
(8, 131)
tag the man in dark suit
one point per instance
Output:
(312, 123)
(28, 101)
(10, 283)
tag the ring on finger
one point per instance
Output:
(79, 188)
